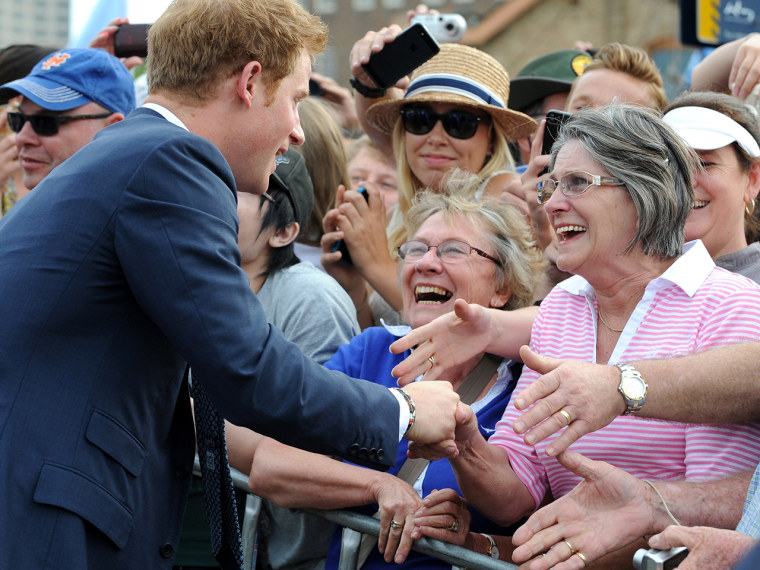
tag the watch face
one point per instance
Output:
(633, 387)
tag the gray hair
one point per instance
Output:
(520, 265)
(633, 144)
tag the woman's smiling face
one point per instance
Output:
(430, 285)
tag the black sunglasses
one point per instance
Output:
(46, 125)
(458, 124)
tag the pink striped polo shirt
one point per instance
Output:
(691, 307)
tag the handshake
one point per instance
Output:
(437, 413)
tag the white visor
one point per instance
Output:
(705, 129)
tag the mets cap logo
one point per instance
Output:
(55, 60)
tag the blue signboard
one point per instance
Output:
(715, 22)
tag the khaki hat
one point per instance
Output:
(462, 75)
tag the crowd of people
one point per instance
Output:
(387, 299)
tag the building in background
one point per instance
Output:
(44, 22)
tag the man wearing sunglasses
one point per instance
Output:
(68, 97)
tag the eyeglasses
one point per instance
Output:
(458, 124)
(451, 250)
(46, 125)
(573, 184)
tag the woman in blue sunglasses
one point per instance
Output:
(452, 114)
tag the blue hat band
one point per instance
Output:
(456, 85)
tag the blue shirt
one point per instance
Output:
(367, 357)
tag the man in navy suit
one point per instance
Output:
(122, 267)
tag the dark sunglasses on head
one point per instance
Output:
(46, 125)
(457, 124)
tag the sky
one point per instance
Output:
(88, 17)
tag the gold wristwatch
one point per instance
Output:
(493, 550)
(633, 388)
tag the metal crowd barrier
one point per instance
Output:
(355, 525)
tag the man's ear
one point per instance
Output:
(285, 236)
(248, 81)
(114, 118)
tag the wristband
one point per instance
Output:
(366, 90)
(412, 409)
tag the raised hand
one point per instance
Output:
(580, 395)
(447, 341)
(604, 513)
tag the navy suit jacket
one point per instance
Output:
(117, 270)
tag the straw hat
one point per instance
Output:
(463, 75)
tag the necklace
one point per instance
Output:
(605, 323)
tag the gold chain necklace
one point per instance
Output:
(605, 323)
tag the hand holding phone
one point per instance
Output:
(410, 49)
(131, 40)
(340, 245)
(554, 121)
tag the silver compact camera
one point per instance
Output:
(443, 27)
(659, 559)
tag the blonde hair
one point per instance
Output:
(500, 158)
(325, 160)
(633, 61)
(520, 265)
(196, 44)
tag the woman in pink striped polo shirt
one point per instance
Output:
(618, 197)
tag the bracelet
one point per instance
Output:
(366, 90)
(667, 510)
(412, 409)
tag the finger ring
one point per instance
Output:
(566, 415)
(396, 524)
(570, 546)
(454, 526)
(432, 361)
(579, 554)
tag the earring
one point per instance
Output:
(748, 209)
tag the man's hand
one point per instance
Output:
(587, 392)
(712, 548)
(605, 512)
(449, 340)
(435, 449)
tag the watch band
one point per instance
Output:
(632, 405)
(366, 90)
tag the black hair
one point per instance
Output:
(279, 215)
(18, 60)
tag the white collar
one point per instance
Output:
(166, 114)
(688, 272)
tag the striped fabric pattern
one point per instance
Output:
(692, 307)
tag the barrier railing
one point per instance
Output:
(356, 524)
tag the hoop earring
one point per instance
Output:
(749, 210)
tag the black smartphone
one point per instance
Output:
(131, 40)
(340, 245)
(554, 121)
(315, 88)
(410, 49)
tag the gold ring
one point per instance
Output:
(570, 546)
(432, 361)
(566, 415)
(579, 554)
(454, 526)
(396, 524)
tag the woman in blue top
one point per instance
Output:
(479, 251)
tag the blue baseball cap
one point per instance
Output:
(70, 78)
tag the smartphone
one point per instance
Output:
(131, 40)
(659, 559)
(340, 245)
(554, 121)
(410, 49)
(315, 88)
